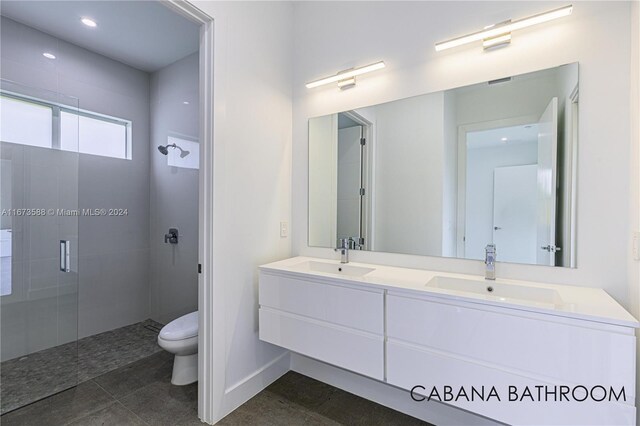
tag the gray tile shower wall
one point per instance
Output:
(114, 258)
(174, 192)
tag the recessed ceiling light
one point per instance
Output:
(503, 139)
(186, 102)
(49, 55)
(89, 22)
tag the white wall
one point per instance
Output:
(251, 191)
(323, 174)
(450, 175)
(113, 273)
(597, 35)
(174, 192)
(408, 175)
(521, 97)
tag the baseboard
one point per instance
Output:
(432, 412)
(242, 391)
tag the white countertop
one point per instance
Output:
(592, 304)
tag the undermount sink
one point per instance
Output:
(499, 291)
(331, 268)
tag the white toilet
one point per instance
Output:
(180, 337)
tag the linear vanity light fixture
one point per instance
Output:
(500, 34)
(346, 78)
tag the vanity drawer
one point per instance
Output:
(533, 345)
(353, 350)
(341, 305)
(409, 366)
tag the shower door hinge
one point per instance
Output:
(199, 268)
(363, 141)
(362, 192)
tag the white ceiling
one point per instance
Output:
(516, 135)
(143, 34)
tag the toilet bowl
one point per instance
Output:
(180, 337)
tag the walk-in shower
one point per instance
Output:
(86, 279)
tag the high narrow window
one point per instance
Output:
(93, 135)
(26, 123)
(38, 123)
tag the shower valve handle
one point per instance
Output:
(172, 236)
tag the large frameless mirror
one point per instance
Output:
(447, 173)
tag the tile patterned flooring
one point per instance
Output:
(295, 399)
(137, 394)
(33, 377)
(141, 394)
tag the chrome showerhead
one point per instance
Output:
(164, 149)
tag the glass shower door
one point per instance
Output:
(38, 247)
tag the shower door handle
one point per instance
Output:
(65, 255)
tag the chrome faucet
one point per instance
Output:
(343, 248)
(490, 262)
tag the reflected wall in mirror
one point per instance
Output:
(446, 173)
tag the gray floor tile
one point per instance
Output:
(162, 403)
(113, 349)
(295, 399)
(269, 409)
(62, 408)
(130, 378)
(303, 390)
(113, 415)
(40, 374)
(335, 404)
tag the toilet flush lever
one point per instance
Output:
(172, 236)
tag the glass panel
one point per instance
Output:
(39, 302)
(94, 136)
(25, 123)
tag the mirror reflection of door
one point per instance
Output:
(522, 197)
(501, 192)
(547, 182)
(515, 212)
(351, 185)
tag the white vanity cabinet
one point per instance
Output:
(339, 324)
(391, 325)
(431, 341)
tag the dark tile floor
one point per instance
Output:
(295, 399)
(141, 394)
(35, 376)
(137, 394)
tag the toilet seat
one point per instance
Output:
(181, 328)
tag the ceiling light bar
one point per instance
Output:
(49, 55)
(506, 28)
(346, 77)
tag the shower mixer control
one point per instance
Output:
(172, 236)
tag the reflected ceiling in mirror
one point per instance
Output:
(447, 173)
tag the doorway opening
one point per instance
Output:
(84, 108)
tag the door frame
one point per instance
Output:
(207, 372)
(462, 168)
(367, 212)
